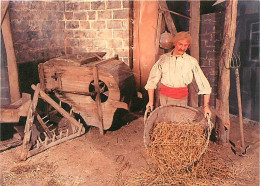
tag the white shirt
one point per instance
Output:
(177, 72)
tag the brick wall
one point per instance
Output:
(97, 26)
(47, 29)
(37, 29)
(211, 34)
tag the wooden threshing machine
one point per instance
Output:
(93, 88)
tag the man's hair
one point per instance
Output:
(181, 35)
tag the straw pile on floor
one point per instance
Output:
(177, 150)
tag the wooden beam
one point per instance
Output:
(222, 104)
(187, 17)
(11, 59)
(168, 18)
(145, 23)
(194, 48)
(4, 7)
(158, 34)
(98, 99)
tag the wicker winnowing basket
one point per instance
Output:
(173, 113)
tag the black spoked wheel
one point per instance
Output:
(104, 92)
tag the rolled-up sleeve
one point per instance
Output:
(154, 76)
(201, 80)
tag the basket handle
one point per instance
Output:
(147, 113)
(209, 122)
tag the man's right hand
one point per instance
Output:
(149, 104)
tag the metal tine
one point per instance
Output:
(53, 131)
(67, 133)
(44, 117)
(45, 134)
(235, 61)
(79, 130)
(60, 135)
(238, 60)
(46, 141)
(39, 139)
(46, 122)
(46, 138)
(53, 137)
(50, 125)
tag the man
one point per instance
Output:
(175, 70)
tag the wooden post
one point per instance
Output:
(222, 104)
(168, 18)
(11, 59)
(157, 44)
(131, 32)
(145, 23)
(194, 48)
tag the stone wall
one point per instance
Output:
(97, 26)
(211, 34)
(37, 29)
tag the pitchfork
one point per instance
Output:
(235, 63)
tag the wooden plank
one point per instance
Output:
(12, 113)
(9, 115)
(77, 59)
(11, 59)
(98, 99)
(4, 7)
(168, 18)
(49, 145)
(41, 76)
(104, 61)
(194, 48)
(28, 125)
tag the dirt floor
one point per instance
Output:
(113, 158)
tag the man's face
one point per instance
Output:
(181, 46)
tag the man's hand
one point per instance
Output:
(151, 98)
(149, 104)
(206, 107)
(207, 111)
